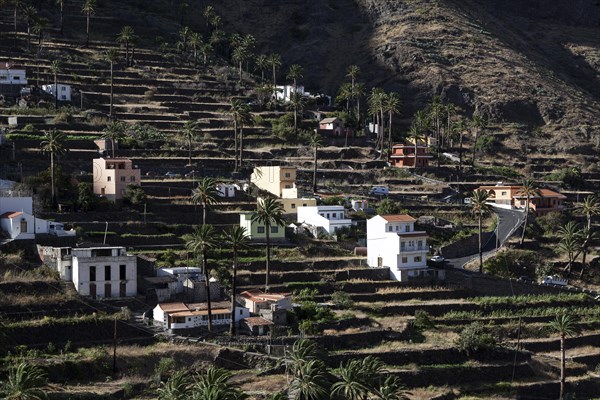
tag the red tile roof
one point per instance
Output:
(258, 321)
(11, 214)
(398, 218)
(258, 295)
(173, 307)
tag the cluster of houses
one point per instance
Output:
(13, 84)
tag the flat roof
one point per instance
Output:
(398, 218)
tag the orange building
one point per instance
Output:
(508, 196)
(403, 155)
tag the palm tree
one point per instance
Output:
(391, 389)
(61, 4)
(529, 189)
(353, 72)
(184, 34)
(298, 103)
(480, 207)
(53, 144)
(177, 387)
(587, 237)
(274, 60)
(294, 73)
(196, 42)
(240, 55)
(206, 193)
(112, 57)
(315, 142)
(436, 111)
(244, 119)
(570, 242)
(351, 384)
(25, 382)
(391, 105)
(303, 351)
(205, 48)
(237, 239)
(89, 9)
(126, 36)
(55, 68)
(269, 213)
(200, 241)
(376, 108)
(589, 208)
(114, 131)
(565, 325)
(30, 15)
(191, 129)
(459, 128)
(214, 384)
(240, 114)
(417, 130)
(39, 25)
(478, 123)
(310, 382)
(450, 110)
(262, 63)
(16, 5)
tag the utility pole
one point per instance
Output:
(105, 232)
(115, 347)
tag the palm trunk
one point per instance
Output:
(127, 53)
(315, 171)
(268, 261)
(390, 135)
(274, 80)
(56, 91)
(480, 248)
(583, 258)
(562, 366)
(112, 146)
(15, 21)
(190, 152)
(475, 146)
(240, 72)
(62, 17)
(28, 36)
(460, 152)
(203, 212)
(52, 177)
(206, 281)
(416, 141)
(241, 146)
(233, 288)
(382, 144)
(295, 118)
(111, 90)
(235, 139)
(525, 223)
(195, 55)
(132, 55)
(87, 30)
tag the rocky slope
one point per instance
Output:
(528, 63)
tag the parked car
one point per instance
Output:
(379, 191)
(438, 259)
(172, 175)
(555, 280)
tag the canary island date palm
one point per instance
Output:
(565, 325)
(269, 213)
(53, 143)
(237, 239)
(206, 194)
(480, 208)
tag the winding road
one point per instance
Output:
(509, 222)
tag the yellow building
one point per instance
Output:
(290, 206)
(113, 175)
(280, 181)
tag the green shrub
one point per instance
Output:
(423, 320)
(513, 263)
(342, 299)
(474, 338)
(570, 177)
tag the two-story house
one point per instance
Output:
(403, 155)
(277, 180)
(257, 231)
(330, 218)
(12, 79)
(393, 242)
(512, 197)
(113, 175)
(181, 316)
(98, 272)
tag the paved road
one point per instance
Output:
(510, 221)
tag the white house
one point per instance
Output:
(12, 79)
(104, 272)
(226, 189)
(256, 300)
(64, 91)
(359, 205)
(393, 242)
(175, 316)
(330, 218)
(284, 92)
(181, 274)
(98, 272)
(21, 226)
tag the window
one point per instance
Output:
(411, 243)
(132, 179)
(189, 319)
(240, 312)
(293, 206)
(334, 215)
(418, 259)
(404, 260)
(402, 246)
(122, 179)
(108, 178)
(16, 78)
(287, 175)
(92, 274)
(304, 205)
(274, 229)
(107, 273)
(389, 228)
(122, 272)
(288, 186)
(406, 228)
(260, 229)
(420, 244)
(397, 228)
(63, 89)
(503, 193)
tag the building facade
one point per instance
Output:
(113, 175)
(330, 218)
(12, 79)
(511, 197)
(393, 242)
(179, 316)
(257, 231)
(403, 155)
(279, 181)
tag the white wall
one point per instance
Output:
(329, 218)
(82, 264)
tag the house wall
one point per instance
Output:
(256, 231)
(13, 76)
(64, 91)
(280, 181)
(82, 263)
(111, 177)
(291, 205)
(329, 218)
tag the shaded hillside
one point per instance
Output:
(522, 62)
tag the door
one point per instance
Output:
(23, 226)
(123, 289)
(380, 262)
(107, 290)
(93, 290)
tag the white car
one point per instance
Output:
(437, 259)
